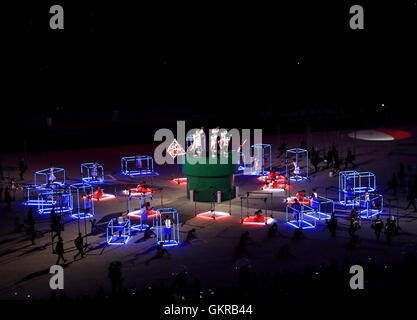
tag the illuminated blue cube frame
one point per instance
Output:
(369, 209)
(61, 200)
(352, 184)
(147, 163)
(86, 173)
(296, 153)
(33, 200)
(307, 217)
(190, 139)
(261, 151)
(175, 230)
(79, 206)
(324, 210)
(116, 234)
(41, 177)
(141, 199)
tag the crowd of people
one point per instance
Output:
(325, 283)
(326, 278)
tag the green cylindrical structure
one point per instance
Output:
(206, 176)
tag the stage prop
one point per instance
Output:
(50, 177)
(258, 218)
(369, 207)
(92, 172)
(354, 183)
(60, 200)
(179, 181)
(82, 204)
(212, 213)
(135, 204)
(301, 215)
(32, 192)
(323, 207)
(261, 156)
(167, 232)
(118, 234)
(137, 165)
(205, 178)
(293, 166)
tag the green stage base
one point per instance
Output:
(207, 178)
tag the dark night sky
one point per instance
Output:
(171, 59)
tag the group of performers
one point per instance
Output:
(275, 181)
(301, 199)
(147, 212)
(218, 138)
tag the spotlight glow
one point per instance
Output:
(213, 215)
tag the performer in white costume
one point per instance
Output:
(224, 142)
(213, 141)
(51, 177)
(258, 165)
(297, 170)
(197, 142)
(94, 171)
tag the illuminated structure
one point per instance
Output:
(301, 216)
(354, 183)
(206, 176)
(369, 207)
(134, 211)
(213, 214)
(50, 177)
(324, 209)
(92, 172)
(293, 159)
(118, 234)
(137, 165)
(163, 228)
(82, 203)
(32, 193)
(60, 200)
(261, 156)
(259, 218)
(179, 181)
(274, 182)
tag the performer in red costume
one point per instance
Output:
(258, 216)
(300, 195)
(143, 188)
(272, 175)
(98, 193)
